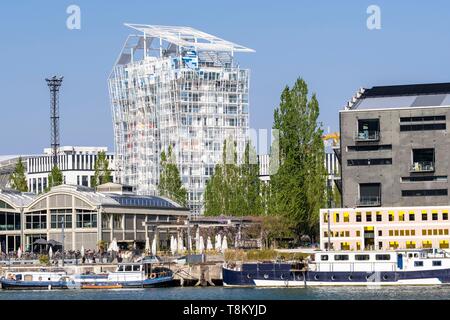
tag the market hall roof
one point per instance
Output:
(401, 96)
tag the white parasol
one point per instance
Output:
(224, 244)
(219, 243)
(82, 251)
(19, 253)
(209, 245)
(180, 244)
(201, 246)
(174, 246)
(147, 245)
(50, 253)
(154, 246)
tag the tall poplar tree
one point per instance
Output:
(298, 187)
(18, 180)
(55, 178)
(170, 184)
(102, 173)
(250, 186)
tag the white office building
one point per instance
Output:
(76, 164)
(179, 87)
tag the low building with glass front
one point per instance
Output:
(382, 228)
(86, 216)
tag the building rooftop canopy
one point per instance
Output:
(188, 37)
(401, 96)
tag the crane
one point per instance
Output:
(335, 136)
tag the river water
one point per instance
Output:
(221, 293)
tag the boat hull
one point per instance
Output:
(32, 285)
(286, 278)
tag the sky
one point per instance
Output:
(327, 43)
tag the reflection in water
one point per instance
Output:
(322, 293)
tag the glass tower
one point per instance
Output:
(179, 87)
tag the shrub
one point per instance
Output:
(44, 259)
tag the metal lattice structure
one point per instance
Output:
(179, 87)
(54, 85)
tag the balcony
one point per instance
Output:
(424, 166)
(369, 201)
(367, 136)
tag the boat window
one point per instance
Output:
(410, 255)
(128, 268)
(136, 268)
(28, 277)
(19, 277)
(418, 263)
(361, 257)
(324, 257)
(383, 257)
(341, 257)
(120, 268)
(437, 263)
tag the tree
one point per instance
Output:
(102, 173)
(298, 187)
(170, 184)
(250, 186)
(18, 180)
(55, 178)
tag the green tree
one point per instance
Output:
(170, 184)
(18, 180)
(250, 186)
(102, 173)
(55, 178)
(298, 187)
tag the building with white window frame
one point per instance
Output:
(179, 87)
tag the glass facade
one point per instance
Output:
(170, 100)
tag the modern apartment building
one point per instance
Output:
(178, 87)
(395, 147)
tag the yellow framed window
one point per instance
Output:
(443, 244)
(396, 232)
(410, 244)
(430, 232)
(346, 217)
(393, 244)
(379, 216)
(358, 217)
(401, 216)
(345, 246)
(446, 232)
(435, 232)
(391, 215)
(358, 233)
(325, 217)
(402, 233)
(427, 244)
(358, 246)
(391, 233)
(336, 217)
(407, 232)
(413, 232)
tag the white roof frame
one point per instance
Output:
(188, 37)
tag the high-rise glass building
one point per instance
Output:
(179, 87)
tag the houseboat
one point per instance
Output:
(36, 280)
(348, 268)
(128, 275)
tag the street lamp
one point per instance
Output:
(62, 229)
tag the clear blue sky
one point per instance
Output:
(325, 42)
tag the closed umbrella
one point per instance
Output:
(19, 253)
(174, 246)
(197, 240)
(209, 245)
(154, 246)
(180, 244)
(50, 253)
(147, 245)
(224, 244)
(219, 243)
(201, 247)
(82, 251)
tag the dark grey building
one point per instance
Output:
(395, 147)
